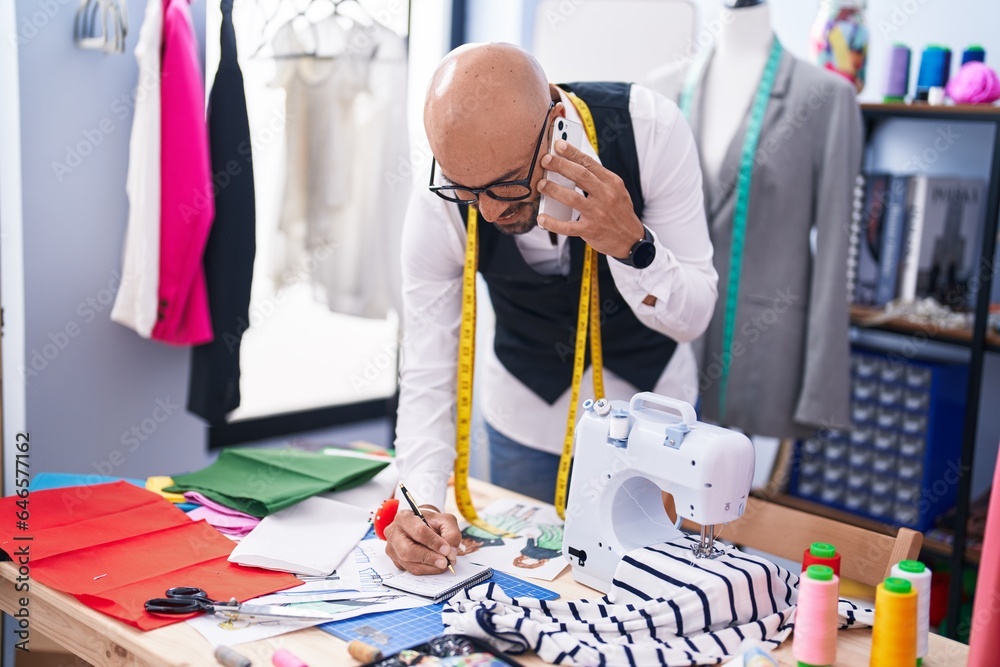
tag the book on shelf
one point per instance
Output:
(867, 239)
(908, 268)
(892, 241)
(915, 237)
(953, 218)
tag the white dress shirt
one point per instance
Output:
(137, 300)
(682, 278)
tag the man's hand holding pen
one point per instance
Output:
(424, 541)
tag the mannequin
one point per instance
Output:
(733, 75)
(779, 374)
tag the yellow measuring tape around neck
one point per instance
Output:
(588, 312)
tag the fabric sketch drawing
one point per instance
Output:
(539, 550)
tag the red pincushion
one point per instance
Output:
(384, 515)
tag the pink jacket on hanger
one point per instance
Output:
(187, 205)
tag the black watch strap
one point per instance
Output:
(642, 252)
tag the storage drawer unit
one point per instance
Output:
(898, 460)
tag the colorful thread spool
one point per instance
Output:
(821, 553)
(758, 657)
(230, 657)
(285, 658)
(814, 641)
(974, 54)
(894, 635)
(897, 84)
(920, 577)
(363, 652)
(935, 70)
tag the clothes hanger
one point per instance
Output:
(312, 12)
(101, 25)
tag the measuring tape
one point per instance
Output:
(588, 312)
(744, 181)
(589, 309)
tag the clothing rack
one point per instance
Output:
(360, 14)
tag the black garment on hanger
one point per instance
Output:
(229, 255)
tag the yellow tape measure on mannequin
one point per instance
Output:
(588, 314)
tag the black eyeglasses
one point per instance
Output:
(502, 191)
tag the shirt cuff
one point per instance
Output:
(426, 488)
(632, 280)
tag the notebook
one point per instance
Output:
(439, 587)
(310, 538)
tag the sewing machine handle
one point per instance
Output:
(686, 410)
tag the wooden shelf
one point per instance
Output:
(862, 315)
(929, 112)
(938, 547)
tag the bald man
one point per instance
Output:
(489, 116)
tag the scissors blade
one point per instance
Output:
(278, 611)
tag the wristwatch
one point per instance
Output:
(642, 253)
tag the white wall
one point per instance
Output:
(11, 242)
(97, 397)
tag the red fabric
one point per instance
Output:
(217, 577)
(120, 525)
(114, 546)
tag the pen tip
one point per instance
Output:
(450, 567)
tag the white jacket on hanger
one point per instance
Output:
(135, 306)
(341, 216)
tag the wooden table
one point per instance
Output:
(103, 641)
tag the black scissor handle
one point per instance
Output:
(174, 605)
(192, 593)
(186, 592)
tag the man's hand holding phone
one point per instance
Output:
(572, 133)
(607, 221)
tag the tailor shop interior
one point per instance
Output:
(264, 261)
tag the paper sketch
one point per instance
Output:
(536, 551)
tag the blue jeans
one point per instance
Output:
(522, 469)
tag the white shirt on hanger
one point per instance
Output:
(346, 130)
(136, 302)
(682, 278)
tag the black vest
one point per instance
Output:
(536, 314)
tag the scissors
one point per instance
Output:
(189, 600)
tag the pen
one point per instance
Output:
(416, 510)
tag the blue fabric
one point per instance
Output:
(520, 468)
(60, 480)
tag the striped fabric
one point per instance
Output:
(665, 608)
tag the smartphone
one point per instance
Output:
(572, 133)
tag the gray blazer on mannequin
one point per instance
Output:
(790, 369)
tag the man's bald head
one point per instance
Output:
(484, 109)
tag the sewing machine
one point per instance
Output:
(625, 454)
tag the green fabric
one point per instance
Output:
(263, 481)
